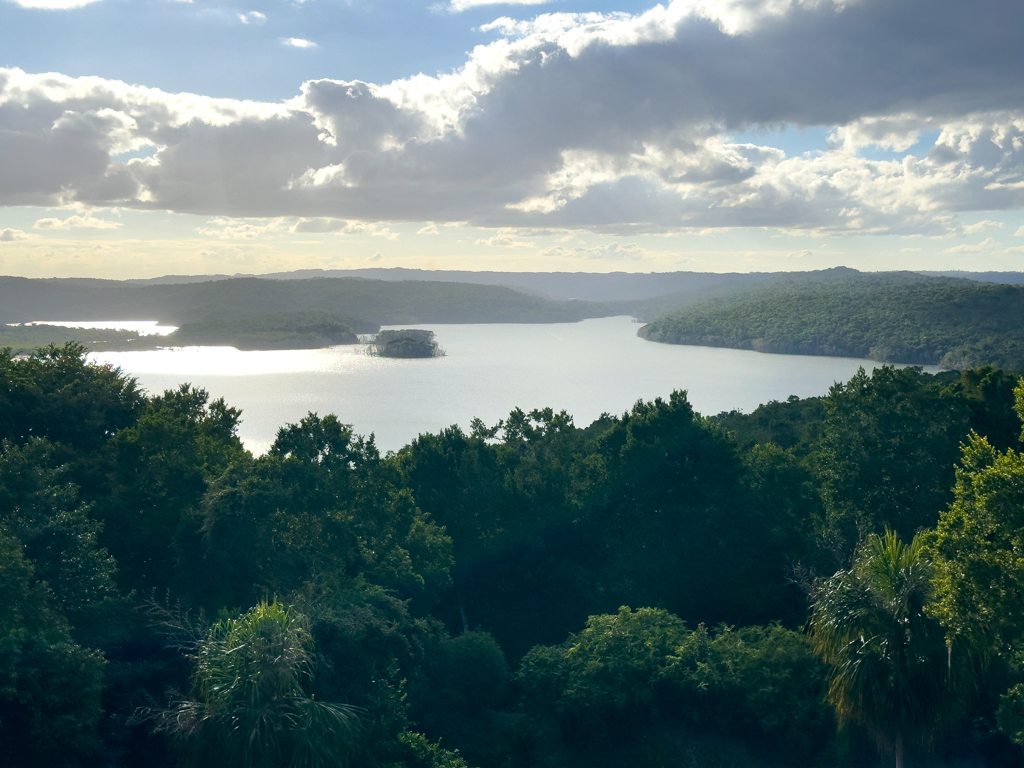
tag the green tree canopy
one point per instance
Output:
(891, 668)
(248, 706)
(980, 576)
(886, 454)
(49, 686)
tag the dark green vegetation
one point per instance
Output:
(22, 339)
(170, 599)
(891, 317)
(406, 343)
(376, 302)
(285, 330)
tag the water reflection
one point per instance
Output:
(142, 327)
(585, 368)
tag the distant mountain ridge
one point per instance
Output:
(1006, 278)
(583, 286)
(369, 302)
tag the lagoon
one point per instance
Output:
(585, 368)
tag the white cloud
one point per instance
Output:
(343, 227)
(981, 226)
(457, 6)
(988, 244)
(611, 252)
(235, 229)
(252, 17)
(53, 5)
(10, 235)
(429, 229)
(613, 123)
(376, 257)
(1019, 232)
(503, 240)
(76, 222)
(298, 42)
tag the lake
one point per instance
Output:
(585, 368)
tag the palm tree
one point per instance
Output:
(247, 707)
(892, 670)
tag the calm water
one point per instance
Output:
(584, 368)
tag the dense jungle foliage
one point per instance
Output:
(171, 599)
(890, 317)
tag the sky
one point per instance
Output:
(148, 137)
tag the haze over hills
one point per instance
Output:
(1007, 278)
(376, 302)
(585, 286)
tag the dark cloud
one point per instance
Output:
(611, 124)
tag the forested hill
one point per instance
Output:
(586, 286)
(374, 301)
(891, 317)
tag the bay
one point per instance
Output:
(585, 368)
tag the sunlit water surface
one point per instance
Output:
(584, 368)
(142, 327)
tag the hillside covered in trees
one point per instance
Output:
(282, 330)
(890, 317)
(372, 302)
(822, 582)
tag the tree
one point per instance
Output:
(164, 462)
(885, 456)
(321, 504)
(41, 509)
(980, 576)
(49, 686)
(56, 393)
(248, 706)
(892, 671)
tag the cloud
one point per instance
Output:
(234, 229)
(343, 227)
(457, 6)
(429, 229)
(298, 42)
(503, 240)
(53, 5)
(981, 226)
(76, 222)
(612, 123)
(611, 252)
(1019, 232)
(376, 257)
(988, 244)
(253, 17)
(10, 235)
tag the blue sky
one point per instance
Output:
(204, 47)
(146, 137)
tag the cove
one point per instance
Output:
(585, 368)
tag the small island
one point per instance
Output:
(408, 343)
